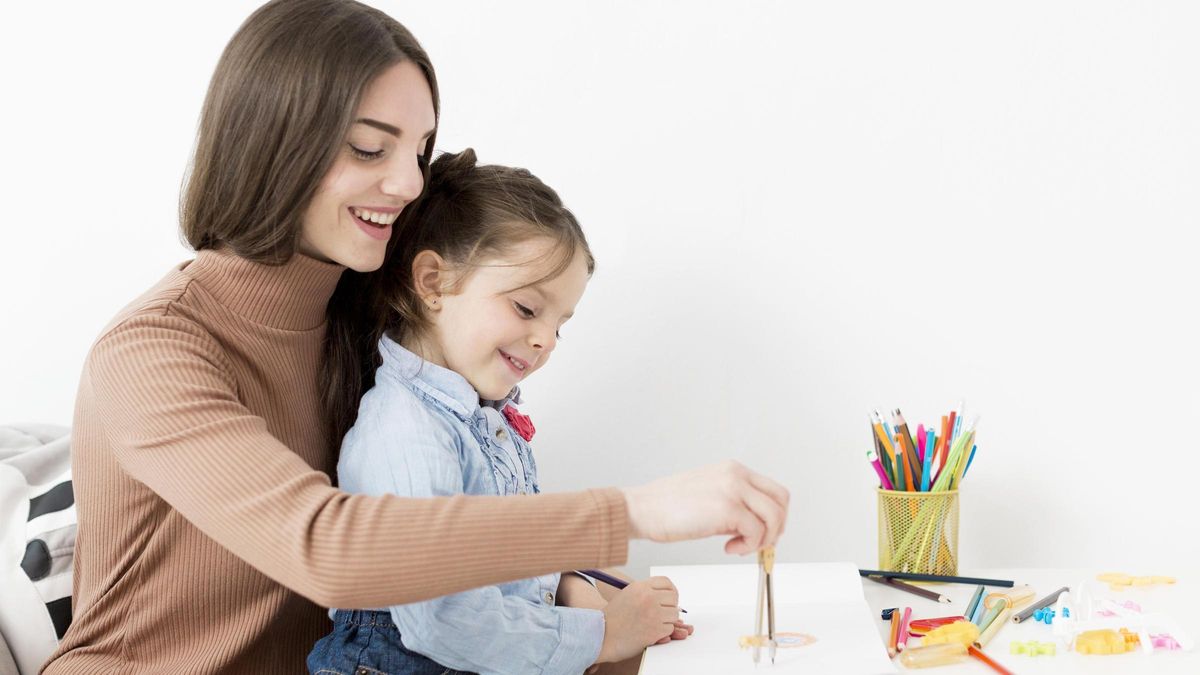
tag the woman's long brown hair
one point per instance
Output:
(278, 109)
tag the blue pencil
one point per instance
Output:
(928, 463)
(969, 458)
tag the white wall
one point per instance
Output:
(800, 212)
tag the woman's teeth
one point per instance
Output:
(374, 217)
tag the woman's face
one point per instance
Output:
(377, 172)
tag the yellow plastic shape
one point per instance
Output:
(1032, 648)
(927, 656)
(1131, 639)
(752, 641)
(1105, 641)
(1116, 579)
(961, 632)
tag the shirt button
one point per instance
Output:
(549, 598)
(500, 434)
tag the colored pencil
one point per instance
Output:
(927, 470)
(913, 576)
(976, 598)
(910, 452)
(988, 661)
(909, 588)
(894, 635)
(885, 460)
(902, 641)
(969, 460)
(909, 474)
(990, 632)
(1044, 602)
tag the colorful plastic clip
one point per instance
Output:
(1045, 615)
(1032, 648)
(1164, 641)
(920, 627)
(1128, 604)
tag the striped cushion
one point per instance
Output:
(37, 540)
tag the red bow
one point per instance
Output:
(520, 423)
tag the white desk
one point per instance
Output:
(1177, 600)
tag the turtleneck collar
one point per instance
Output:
(291, 296)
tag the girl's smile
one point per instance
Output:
(499, 324)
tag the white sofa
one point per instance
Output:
(37, 544)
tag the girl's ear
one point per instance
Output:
(429, 274)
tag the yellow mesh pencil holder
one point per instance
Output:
(918, 532)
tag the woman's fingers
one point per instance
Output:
(720, 499)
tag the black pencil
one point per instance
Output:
(610, 580)
(913, 576)
(909, 588)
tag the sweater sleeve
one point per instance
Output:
(174, 422)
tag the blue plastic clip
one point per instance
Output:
(1046, 615)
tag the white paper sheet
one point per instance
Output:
(824, 600)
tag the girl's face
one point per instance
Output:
(495, 336)
(377, 172)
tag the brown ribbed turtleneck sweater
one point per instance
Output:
(209, 534)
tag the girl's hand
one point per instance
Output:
(681, 632)
(574, 591)
(643, 613)
(720, 499)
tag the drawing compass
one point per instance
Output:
(766, 604)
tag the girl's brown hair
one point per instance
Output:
(471, 212)
(279, 107)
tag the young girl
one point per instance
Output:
(488, 268)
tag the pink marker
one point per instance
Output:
(921, 442)
(902, 641)
(883, 479)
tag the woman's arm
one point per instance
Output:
(174, 422)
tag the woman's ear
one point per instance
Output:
(429, 274)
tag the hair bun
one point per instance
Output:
(450, 171)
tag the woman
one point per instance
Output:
(209, 534)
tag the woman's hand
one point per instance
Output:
(719, 499)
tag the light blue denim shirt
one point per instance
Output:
(422, 432)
